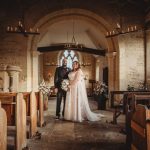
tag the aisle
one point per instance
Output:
(64, 135)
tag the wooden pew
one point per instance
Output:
(15, 108)
(119, 106)
(31, 105)
(140, 125)
(131, 101)
(40, 108)
(31, 111)
(3, 129)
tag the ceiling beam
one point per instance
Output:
(74, 47)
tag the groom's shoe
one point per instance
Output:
(57, 118)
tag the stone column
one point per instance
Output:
(97, 69)
(35, 70)
(147, 20)
(111, 70)
(4, 78)
(13, 73)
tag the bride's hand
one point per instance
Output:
(68, 88)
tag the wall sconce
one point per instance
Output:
(51, 64)
(84, 64)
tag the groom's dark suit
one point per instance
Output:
(60, 74)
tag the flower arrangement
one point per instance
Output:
(65, 84)
(130, 88)
(101, 94)
(101, 88)
(45, 89)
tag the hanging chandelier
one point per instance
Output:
(73, 45)
(119, 30)
(20, 29)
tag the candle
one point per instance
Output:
(113, 32)
(11, 28)
(118, 25)
(135, 28)
(131, 28)
(107, 33)
(128, 29)
(8, 28)
(37, 30)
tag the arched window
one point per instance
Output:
(70, 55)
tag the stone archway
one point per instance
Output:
(98, 22)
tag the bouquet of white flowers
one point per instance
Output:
(65, 84)
(45, 89)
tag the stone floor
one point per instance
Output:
(65, 135)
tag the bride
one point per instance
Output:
(77, 107)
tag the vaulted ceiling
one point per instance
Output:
(62, 32)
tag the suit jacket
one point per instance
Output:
(60, 74)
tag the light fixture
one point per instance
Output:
(20, 29)
(84, 64)
(51, 64)
(73, 44)
(119, 30)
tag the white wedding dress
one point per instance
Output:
(77, 107)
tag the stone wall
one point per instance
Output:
(131, 64)
(13, 52)
(148, 58)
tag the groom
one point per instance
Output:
(60, 74)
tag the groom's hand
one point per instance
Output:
(56, 90)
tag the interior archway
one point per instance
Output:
(84, 17)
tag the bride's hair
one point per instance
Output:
(78, 65)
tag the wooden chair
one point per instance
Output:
(3, 129)
(15, 108)
(140, 125)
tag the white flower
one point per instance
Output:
(65, 84)
(100, 88)
(44, 88)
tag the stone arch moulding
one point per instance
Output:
(98, 22)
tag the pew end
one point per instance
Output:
(15, 108)
(140, 125)
(3, 129)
